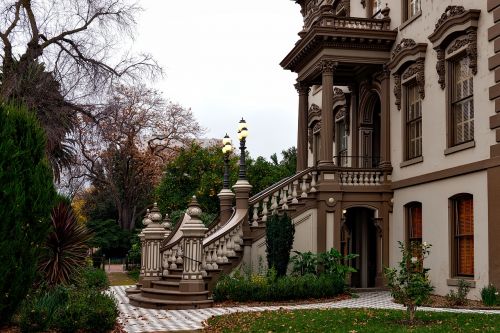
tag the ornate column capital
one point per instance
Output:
(302, 88)
(327, 66)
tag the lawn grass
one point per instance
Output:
(352, 321)
(120, 279)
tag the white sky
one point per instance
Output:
(221, 58)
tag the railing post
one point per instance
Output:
(193, 232)
(151, 238)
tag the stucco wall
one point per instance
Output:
(305, 238)
(436, 225)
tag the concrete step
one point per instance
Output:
(165, 285)
(173, 295)
(151, 303)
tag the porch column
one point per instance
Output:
(385, 126)
(302, 144)
(354, 126)
(327, 121)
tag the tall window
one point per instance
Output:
(411, 8)
(462, 105)
(413, 122)
(463, 235)
(342, 144)
(414, 218)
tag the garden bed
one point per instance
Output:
(341, 297)
(437, 301)
(351, 320)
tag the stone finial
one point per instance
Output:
(155, 215)
(386, 11)
(146, 220)
(194, 209)
(167, 223)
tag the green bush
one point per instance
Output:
(489, 295)
(280, 231)
(92, 278)
(272, 288)
(304, 263)
(36, 313)
(459, 297)
(87, 310)
(26, 198)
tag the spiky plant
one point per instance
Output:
(66, 246)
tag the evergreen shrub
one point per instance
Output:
(280, 232)
(27, 195)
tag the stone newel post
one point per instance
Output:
(151, 237)
(193, 233)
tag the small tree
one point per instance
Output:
(26, 198)
(280, 232)
(410, 284)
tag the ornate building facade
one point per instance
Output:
(398, 117)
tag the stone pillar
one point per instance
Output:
(193, 232)
(302, 144)
(327, 121)
(385, 126)
(153, 234)
(226, 197)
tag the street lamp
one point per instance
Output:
(227, 148)
(242, 135)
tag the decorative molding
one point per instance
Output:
(314, 111)
(302, 88)
(472, 49)
(417, 69)
(327, 66)
(397, 89)
(440, 67)
(449, 12)
(455, 21)
(458, 44)
(347, 7)
(310, 137)
(338, 92)
(317, 127)
(406, 43)
(340, 114)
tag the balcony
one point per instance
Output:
(326, 35)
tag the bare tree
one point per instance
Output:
(126, 151)
(59, 56)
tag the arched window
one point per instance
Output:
(463, 235)
(414, 222)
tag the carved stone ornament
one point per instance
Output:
(472, 50)
(302, 88)
(397, 90)
(440, 67)
(327, 66)
(317, 127)
(406, 43)
(363, 3)
(418, 70)
(340, 114)
(458, 44)
(310, 136)
(314, 111)
(449, 12)
(338, 92)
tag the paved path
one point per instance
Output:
(137, 320)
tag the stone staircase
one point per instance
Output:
(181, 267)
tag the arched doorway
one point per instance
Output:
(359, 236)
(370, 130)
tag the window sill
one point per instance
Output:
(460, 147)
(453, 282)
(415, 160)
(410, 20)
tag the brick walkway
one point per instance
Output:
(137, 320)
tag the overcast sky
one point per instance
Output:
(221, 58)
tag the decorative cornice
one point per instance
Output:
(449, 12)
(327, 66)
(405, 43)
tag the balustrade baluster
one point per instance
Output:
(294, 192)
(264, 209)
(303, 187)
(255, 217)
(313, 182)
(274, 202)
(173, 265)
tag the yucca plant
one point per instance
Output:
(66, 247)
